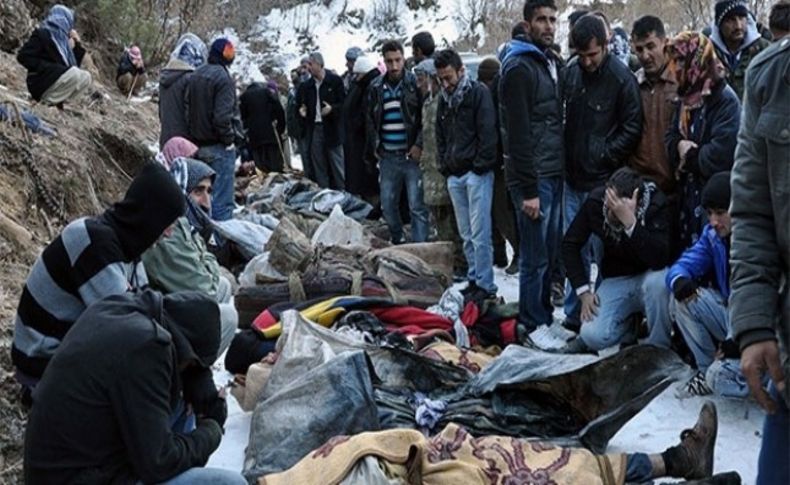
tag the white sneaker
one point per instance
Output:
(545, 339)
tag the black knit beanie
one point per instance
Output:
(716, 193)
(488, 69)
(724, 8)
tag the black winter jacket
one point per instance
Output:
(102, 409)
(211, 106)
(411, 106)
(533, 115)
(716, 134)
(173, 82)
(125, 66)
(43, 62)
(646, 249)
(603, 122)
(259, 109)
(361, 175)
(466, 136)
(333, 93)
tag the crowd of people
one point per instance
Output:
(641, 183)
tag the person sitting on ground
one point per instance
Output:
(189, 54)
(172, 158)
(701, 311)
(629, 214)
(105, 410)
(92, 258)
(182, 261)
(52, 56)
(131, 76)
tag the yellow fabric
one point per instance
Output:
(321, 313)
(454, 457)
(449, 353)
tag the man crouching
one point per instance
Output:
(107, 409)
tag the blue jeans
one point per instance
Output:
(395, 171)
(622, 296)
(638, 468)
(182, 420)
(222, 161)
(773, 466)
(537, 250)
(726, 379)
(703, 322)
(207, 476)
(592, 252)
(472, 195)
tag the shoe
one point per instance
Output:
(575, 346)
(543, 338)
(696, 386)
(471, 287)
(560, 332)
(557, 294)
(513, 268)
(693, 457)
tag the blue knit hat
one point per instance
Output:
(725, 8)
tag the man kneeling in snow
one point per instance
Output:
(110, 407)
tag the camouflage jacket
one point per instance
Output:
(434, 183)
(737, 63)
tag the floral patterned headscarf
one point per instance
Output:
(696, 68)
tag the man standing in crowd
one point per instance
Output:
(760, 300)
(264, 120)
(630, 216)
(351, 57)
(531, 115)
(779, 20)
(736, 38)
(702, 136)
(189, 54)
(320, 101)
(701, 312)
(92, 258)
(466, 148)
(211, 107)
(504, 229)
(603, 123)
(105, 407)
(394, 124)
(422, 47)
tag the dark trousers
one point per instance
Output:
(505, 226)
(327, 163)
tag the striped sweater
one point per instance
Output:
(393, 129)
(84, 264)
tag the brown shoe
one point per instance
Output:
(693, 457)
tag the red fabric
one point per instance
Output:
(470, 314)
(265, 320)
(508, 330)
(410, 320)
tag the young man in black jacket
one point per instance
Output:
(320, 101)
(211, 107)
(264, 119)
(630, 217)
(105, 410)
(52, 56)
(603, 124)
(534, 162)
(466, 147)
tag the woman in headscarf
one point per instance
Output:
(172, 158)
(131, 76)
(52, 56)
(189, 54)
(702, 137)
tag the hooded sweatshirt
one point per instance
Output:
(102, 411)
(737, 62)
(92, 258)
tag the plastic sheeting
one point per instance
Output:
(339, 230)
(251, 238)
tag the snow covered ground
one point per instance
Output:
(653, 430)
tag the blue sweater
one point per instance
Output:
(708, 254)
